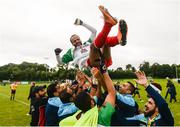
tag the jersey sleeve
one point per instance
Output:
(67, 57)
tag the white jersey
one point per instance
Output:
(81, 55)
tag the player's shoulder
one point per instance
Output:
(87, 42)
(70, 49)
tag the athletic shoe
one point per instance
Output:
(122, 32)
(107, 17)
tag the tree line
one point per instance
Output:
(42, 72)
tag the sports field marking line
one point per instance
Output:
(22, 102)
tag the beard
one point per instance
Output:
(78, 44)
(41, 96)
(150, 113)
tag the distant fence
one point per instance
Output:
(7, 82)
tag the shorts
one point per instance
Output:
(13, 91)
(108, 62)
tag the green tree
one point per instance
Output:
(128, 67)
(145, 66)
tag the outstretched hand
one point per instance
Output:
(141, 78)
(96, 73)
(80, 75)
(78, 22)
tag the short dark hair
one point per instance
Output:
(72, 36)
(157, 86)
(117, 87)
(83, 101)
(51, 89)
(132, 88)
(36, 89)
(75, 82)
(65, 96)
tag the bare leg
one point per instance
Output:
(106, 52)
(94, 56)
(99, 42)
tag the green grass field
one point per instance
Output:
(13, 113)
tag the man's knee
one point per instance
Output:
(106, 52)
(92, 47)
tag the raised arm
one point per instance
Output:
(57, 53)
(66, 58)
(97, 75)
(111, 97)
(160, 102)
(88, 78)
(162, 106)
(90, 28)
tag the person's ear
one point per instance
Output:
(128, 91)
(37, 95)
(71, 99)
(92, 103)
(156, 109)
(56, 94)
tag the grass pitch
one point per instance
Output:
(13, 113)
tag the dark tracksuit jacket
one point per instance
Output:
(31, 92)
(35, 110)
(56, 111)
(164, 118)
(126, 106)
(31, 96)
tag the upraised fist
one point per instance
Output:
(57, 51)
(78, 22)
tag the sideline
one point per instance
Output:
(22, 102)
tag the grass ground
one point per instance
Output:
(13, 113)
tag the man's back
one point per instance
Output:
(126, 108)
(37, 102)
(51, 115)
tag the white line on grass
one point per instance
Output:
(22, 102)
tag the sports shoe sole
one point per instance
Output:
(123, 28)
(110, 19)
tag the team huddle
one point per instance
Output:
(93, 101)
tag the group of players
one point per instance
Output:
(84, 103)
(117, 107)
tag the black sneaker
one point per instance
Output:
(123, 29)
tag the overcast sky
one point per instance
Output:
(30, 30)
